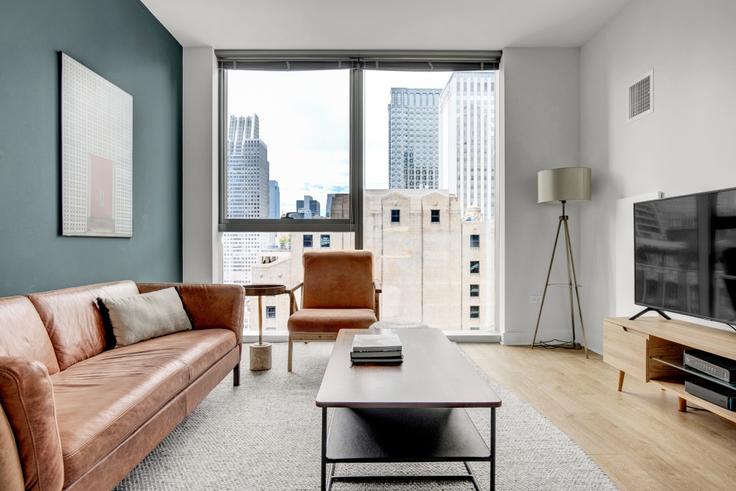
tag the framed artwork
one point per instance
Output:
(96, 154)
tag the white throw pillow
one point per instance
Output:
(146, 316)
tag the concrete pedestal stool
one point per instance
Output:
(260, 352)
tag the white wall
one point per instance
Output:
(542, 114)
(688, 144)
(199, 176)
(541, 110)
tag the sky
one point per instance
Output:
(304, 121)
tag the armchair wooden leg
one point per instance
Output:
(236, 375)
(621, 375)
(291, 351)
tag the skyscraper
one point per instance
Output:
(274, 200)
(247, 169)
(248, 196)
(468, 140)
(413, 133)
(307, 207)
(338, 205)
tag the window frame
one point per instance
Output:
(355, 173)
(357, 62)
(398, 215)
(434, 212)
(270, 308)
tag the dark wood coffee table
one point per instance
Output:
(413, 412)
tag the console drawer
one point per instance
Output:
(625, 349)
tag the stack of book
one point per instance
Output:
(376, 349)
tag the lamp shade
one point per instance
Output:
(563, 184)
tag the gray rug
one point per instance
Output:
(265, 434)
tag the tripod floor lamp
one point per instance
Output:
(563, 185)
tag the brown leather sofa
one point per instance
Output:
(76, 413)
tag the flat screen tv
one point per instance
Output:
(685, 255)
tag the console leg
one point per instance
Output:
(236, 375)
(681, 405)
(621, 375)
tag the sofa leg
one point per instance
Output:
(236, 375)
(291, 352)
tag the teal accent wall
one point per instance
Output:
(124, 43)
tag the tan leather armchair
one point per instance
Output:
(338, 292)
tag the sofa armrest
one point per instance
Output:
(377, 300)
(293, 305)
(209, 305)
(27, 399)
(11, 470)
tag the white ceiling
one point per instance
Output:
(382, 24)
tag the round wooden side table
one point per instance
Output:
(260, 352)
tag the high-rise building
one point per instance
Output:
(434, 267)
(307, 207)
(274, 200)
(247, 169)
(413, 127)
(467, 140)
(338, 205)
(248, 196)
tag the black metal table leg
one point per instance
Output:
(493, 448)
(323, 485)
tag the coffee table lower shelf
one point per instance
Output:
(403, 435)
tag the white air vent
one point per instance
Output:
(641, 100)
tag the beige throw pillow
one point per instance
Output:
(146, 316)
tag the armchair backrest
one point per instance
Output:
(338, 280)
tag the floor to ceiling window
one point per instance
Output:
(395, 153)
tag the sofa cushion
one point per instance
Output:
(22, 333)
(330, 320)
(338, 280)
(209, 305)
(197, 349)
(149, 315)
(74, 322)
(104, 399)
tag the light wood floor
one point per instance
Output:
(637, 436)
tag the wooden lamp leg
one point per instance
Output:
(621, 375)
(291, 353)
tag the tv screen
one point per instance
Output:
(685, 254)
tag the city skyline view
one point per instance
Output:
(308, 160)
(429, 163)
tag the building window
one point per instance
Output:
(474, 240)
(423, 131)
(474, 290)
(475, 311)
(270, 312)
(475, 267)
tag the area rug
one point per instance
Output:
(265, 434)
